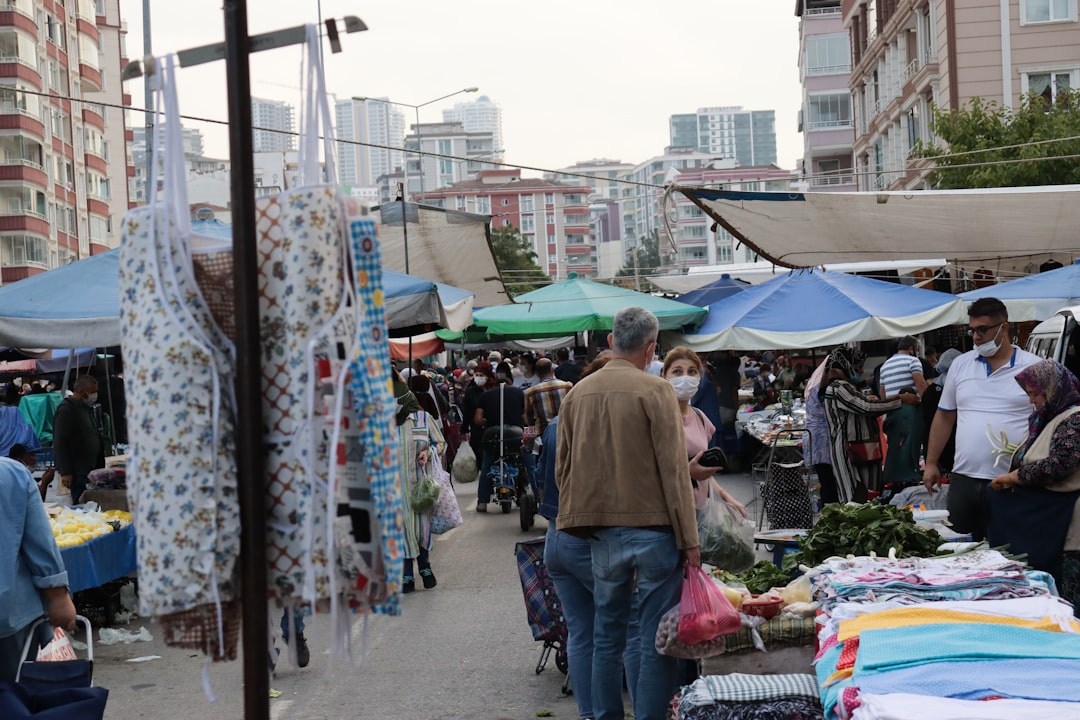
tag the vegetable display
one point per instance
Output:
(860, 530)
(761, 578)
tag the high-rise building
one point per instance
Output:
(375, 122)
(748, 136)
(825, 120)
(910, 57)
(277, 118)
(602, 177)
(445, 139)
(479, 115)
(63, 164)
(194, 157)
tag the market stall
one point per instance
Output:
(97, 547)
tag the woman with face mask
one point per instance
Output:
(1033, 509)
(683, 369)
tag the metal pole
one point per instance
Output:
(250, 455)
(405, 246)
(420, 157)
(147, 95)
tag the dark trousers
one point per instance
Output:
(78, 486)
(828, 492)
(11, 649)
(968, 505)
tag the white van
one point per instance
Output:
(1058, 338)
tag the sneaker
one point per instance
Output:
(481, 507)
(409, 585)
(428, 578)
(303, 655)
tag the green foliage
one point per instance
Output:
(761, 578)
(647, 254)
(981, 125)
(516, 261)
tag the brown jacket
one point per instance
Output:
(621, 456)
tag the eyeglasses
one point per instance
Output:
(983, 330)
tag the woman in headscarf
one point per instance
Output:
(853, 427)
(1034, 511)
(421, 445)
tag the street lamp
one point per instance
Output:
(419, 138)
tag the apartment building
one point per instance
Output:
(601, 175)
(275, 123)
(63, 164)
(378, 129)
(467, 151)
(826, 120)
(909, 55)
(747, 136)
(553, 217)
(480, 115)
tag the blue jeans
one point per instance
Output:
(569, 563)
(529, 461)
(617, 554)
(297, 622)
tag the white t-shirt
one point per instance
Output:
(897, 372)
(520, 381)
(985, 402)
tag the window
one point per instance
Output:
(505, 202)
(528, 223)
(483, 204)
(829, 111)
(550, 219)
(914, 125)
(1038, 11)
(723, 253)
(22, 250)
(506, 223)
(549, 198)
(828, 54)
(525, 203)
(1049, 84)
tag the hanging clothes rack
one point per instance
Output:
(250, 450)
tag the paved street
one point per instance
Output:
(461, 651)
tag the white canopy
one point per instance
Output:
(968, 226)
(759, 272)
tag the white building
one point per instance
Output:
(603, 177)
(748, 136)
(477, 116)
(446, 139)
(369, 121)
(278, 119)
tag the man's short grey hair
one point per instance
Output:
(84, 382)
(633, 328)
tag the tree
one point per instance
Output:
(642, 261)
(516, 261)
(1008, 137)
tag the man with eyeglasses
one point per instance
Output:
(982, 400)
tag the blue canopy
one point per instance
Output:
(713, 292)
(812, 308)
(78, 305)
(1035, 297)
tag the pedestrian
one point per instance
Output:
(853, 428)
(28, 458)
(77, 445)
(543, 399)
(502, 404)
(482, 379)
(1033, 509)
(718, 394)
(525, 377)
(568, 369)
(624, 483)
(568, 558)
(817, 437)
(982, 400)
(903, 427)
(33, 581)
(420, 446)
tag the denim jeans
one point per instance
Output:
(529, 461)
(297, 622)
(484, 489)
(569, 563)
(617, 554)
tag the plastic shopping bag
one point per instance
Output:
(446, 515)
(668, 643)
(704, 613)
(58, 649)
(725, 537)
(465, 468)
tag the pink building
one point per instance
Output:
(552, 216)
(908, 55)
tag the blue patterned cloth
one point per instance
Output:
(1047, 679)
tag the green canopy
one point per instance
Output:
(575, 305)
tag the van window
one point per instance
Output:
(1072, 352)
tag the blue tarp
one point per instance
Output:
(1035, 297)
(715, 291)
(814, 308)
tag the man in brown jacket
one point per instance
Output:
(624, 482)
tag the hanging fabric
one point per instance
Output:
(181, 413)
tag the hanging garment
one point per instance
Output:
(181, 418)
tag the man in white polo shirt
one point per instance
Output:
(981, 399)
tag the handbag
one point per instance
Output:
(425, 491)
(865, 451)
(446, 515)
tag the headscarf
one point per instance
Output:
(1058, 384)
(407, 403)
(846, 360)
(944, 362)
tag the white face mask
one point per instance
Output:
(685, 386)
(989, 349)
(480, 380)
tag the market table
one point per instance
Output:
(101, 560)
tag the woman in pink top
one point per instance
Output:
(683, 369)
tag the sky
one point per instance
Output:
(576, 80)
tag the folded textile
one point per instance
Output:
(107, 479)
(742, 687)
(922, 616)
(782, 709)
(1048, 679)
(779, 632)
(903, 706)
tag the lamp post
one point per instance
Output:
(419, 137)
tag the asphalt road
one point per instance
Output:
(462, 650)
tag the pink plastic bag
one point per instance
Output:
(704, 613)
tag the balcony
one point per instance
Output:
(833, 180)
(23, 171)
(24, 220)
(15, 67)
(21, 122)
(11, 15)
(93, 118)
(89, 78)
(830, 70)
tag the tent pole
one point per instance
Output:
(405, 247)
(67, 373)
(249, 443)
(108, 394)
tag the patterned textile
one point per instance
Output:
(852, 419)
(541, 602)
(779, 632)
(106, 479)
(980, 679)
(446, 515)
(903, 706)
(780, 709)
(1070, 578)
(419, 432)
(197, 629)
(787, 499)
(214, 273)
(741, 687)
(1063, 459)
(542, 402)
(923, 616)
(370, 383)
(1061, 389)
